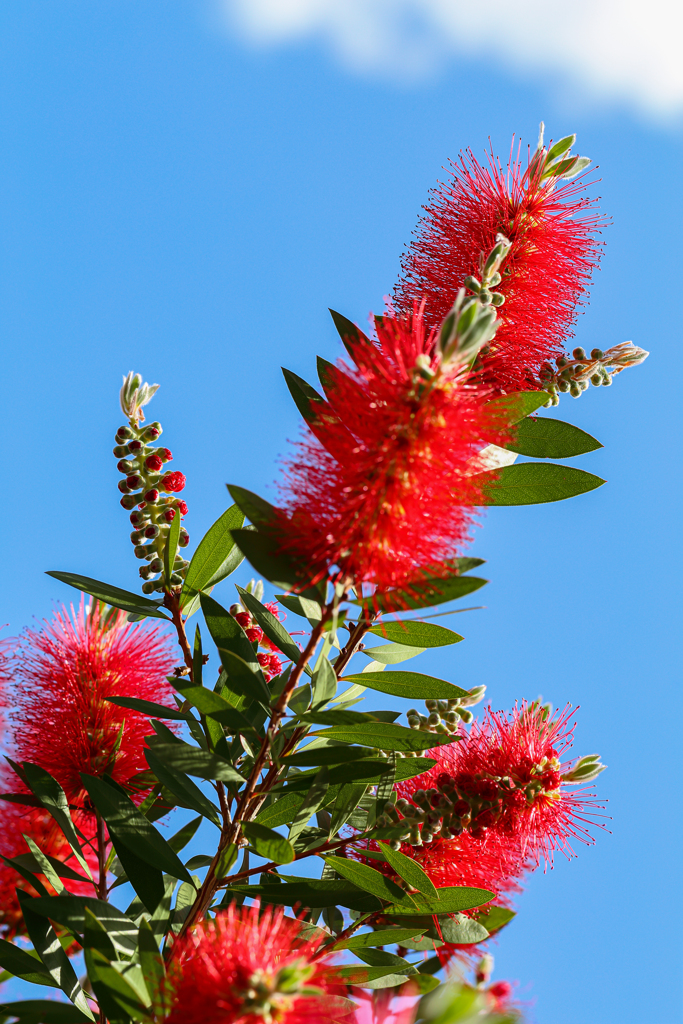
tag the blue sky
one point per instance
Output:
(184, 191)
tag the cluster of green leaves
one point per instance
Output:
(278, 783)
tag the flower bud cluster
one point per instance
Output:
(575, 375)
(268, 659)
(444, 716)
(149, 489)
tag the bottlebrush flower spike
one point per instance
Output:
(62, 675)
(16, 821)
(382, 488)
(551, 225)
(251, 967)
(504, 789)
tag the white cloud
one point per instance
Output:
(616, 49)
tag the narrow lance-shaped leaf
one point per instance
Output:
(50, 950)
(416, 634)
(171, 549)
(215, 559)
(123, 599)
(53, 799)
(541, 437)
(409, 870)
(367, 878)
(133, 829)
(312, 802)
(268, 844)
(22, 965)
(413, 685)
(533, 483)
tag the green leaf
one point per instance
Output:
(325, 755)
(515, 407)
(28, 861)
(386, 736)
(171, 548)
(531, 483)
(409, 767)
(69, 911)
(494, 918)
(268, 844)
(275, 565)
(312, 802)
(112, 595)
(452, 899)
(43, 1011)
(366, 878)
(348, 798)
(428, 592)
(409, 870)
(344, 716)
(408, 684)
(53, 799)
(411, 633)
(148, 707)
(271, 626)
(382, 958)
(368, 771)
(193, 761)
(206, 701)
(152, 964)
(44, 865)
(362, 977)
(546, 438)
(226, 632)
(324, 683)
(103, 975)
(391, 654)
(350, 335)
(312, 893)
(385, 937)
(281, 811)
(259, 511)
(16, 863)
(22, 965)
(216, 556)
(186, 792)
(130, 827)
(184, 835)
(303, 606)
(460, 930)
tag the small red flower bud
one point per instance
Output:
(169, 515)
(263, 660)
(134, 481)
(154, 463)
(151, 434)
(135, 446)
(136, 536)
(151, 531)
(129, 501)
(156, 565)
(255, 634)
(182, 508)
(164, 454)
(142, 550)
(275, 665)
(121, 450)
(244, 619)
(173, 482)
(123, 487)
(137, 518)
(124, 432)
(152, 496)
(125, 466)
(184, 539)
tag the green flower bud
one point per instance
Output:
(495, 279)
(176, 579)
(142, 550)
(156, 565)
(596, 379)
(121, 451)
(124, 432)
(574, 390)
(497, 298)
(148, 588)
(561, 361)
(579, 353)
(485, 296)
(136, 536)
(129, 501)
(472, 284)
(466, 715)
(123, 487)
(597, 353)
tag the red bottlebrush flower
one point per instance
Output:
(384, 491)
(506, 797)
(154, 463)
(16, 821)
(173, 482)
(552, 228)
(63, 674)
(251, 967)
